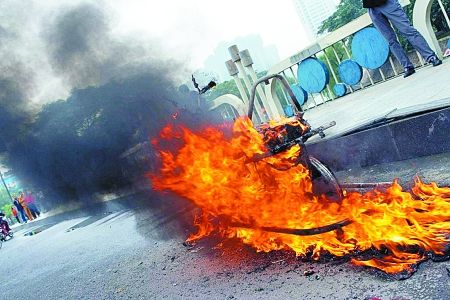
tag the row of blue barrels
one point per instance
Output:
(369, 50)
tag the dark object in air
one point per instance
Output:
(203, 90)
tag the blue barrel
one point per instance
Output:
(288, 110)
(313, 75)
(350, 72)
(340, 89)
(369, 48)
(300, 94)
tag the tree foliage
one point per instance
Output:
(348, 10)
(226, 87)
(6, 209)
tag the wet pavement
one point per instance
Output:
(133, 249)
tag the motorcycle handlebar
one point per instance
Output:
(320, 131)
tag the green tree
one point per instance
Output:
(226, 87)
(6, 209)
(348, 10)
(4, 197)
(229, 87)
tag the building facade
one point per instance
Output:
(313, 12)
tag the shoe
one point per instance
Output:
(435, 61)
(409, 71)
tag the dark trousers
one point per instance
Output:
(22, 215)
(34, 210)
(17, 218)
(392, 11)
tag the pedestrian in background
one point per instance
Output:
(30, 201)
(384, 11)
(25, 207)
(14, 213)
(20, 209)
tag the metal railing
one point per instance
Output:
(331, 49)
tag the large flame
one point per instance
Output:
(218, 175)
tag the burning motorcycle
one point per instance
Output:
(295, 131)
(259, 184)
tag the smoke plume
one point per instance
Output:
(121, 95)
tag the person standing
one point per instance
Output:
(384, 11)
(30, 201)
(20, 209)
(25, 207)
(15, 214)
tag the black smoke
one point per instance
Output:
(16, 84)
(122, 95)
(83, 50)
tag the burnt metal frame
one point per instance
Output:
(312, 163)
(317, 168)
(265, 80)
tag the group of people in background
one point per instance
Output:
(25, 208)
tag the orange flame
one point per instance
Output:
(217, 174)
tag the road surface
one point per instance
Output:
(133, 249)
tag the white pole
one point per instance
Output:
(247, 62)
(241, 89)
(233, 71)
(234, 52)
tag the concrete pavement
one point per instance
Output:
(132, 249)
(428, 85)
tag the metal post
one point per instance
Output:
(370, 76)
(393, 66)
(332, 73)
(241, 89)
(313, 100)
(247, 62)
(293, 75)
(382, 74)
(234, 52)
(422, 62)
(328, 85)
(330, 66)
(233, 71)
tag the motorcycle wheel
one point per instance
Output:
(324, 181)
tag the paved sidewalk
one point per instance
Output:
(428, 85)
(429, 169)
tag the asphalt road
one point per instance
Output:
(132, 249)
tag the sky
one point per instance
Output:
(192, 29)
(184, 31)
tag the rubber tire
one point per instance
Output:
(324, 181)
